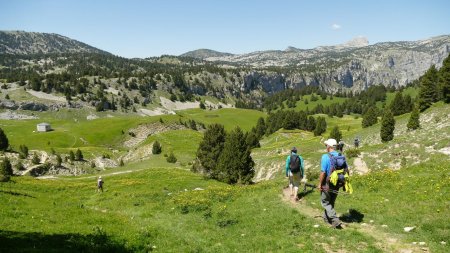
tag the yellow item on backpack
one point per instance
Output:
(334, 179)
(348, 187)
(334, 176)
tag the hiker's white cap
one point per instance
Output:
(100, 177)
(331, 142)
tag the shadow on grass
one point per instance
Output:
(352, 216)
(17, 194)
(12, 241)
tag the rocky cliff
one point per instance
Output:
(353, 65)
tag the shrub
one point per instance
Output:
(5, 170)
(23, 151)
(79, 155)
(35, 159)
(19, 166)
(171, 158)
(58, 160)
(71, 156)
(352, 152)
(156, 149)
(4, 143)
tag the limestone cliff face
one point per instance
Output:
(342, 67)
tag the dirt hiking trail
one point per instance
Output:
(385, 241)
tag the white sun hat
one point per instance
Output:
(331, 142)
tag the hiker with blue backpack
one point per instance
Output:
(333, 175)
(295, 171)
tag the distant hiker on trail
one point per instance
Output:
(340, 146)
(356, 142)
(100, 184)
(329, 190)
(294, 171)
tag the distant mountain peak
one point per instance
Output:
(20, 42)
(204, 53)
(359, 41)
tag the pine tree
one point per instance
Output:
(4, 142)
(260, 127)
(311, 124)
(71, 156)
(321, 126)
(171, 158)
(428, 92)
(35, 159)
(397, 105)
(370, 117)
(387, 126)
(156, 149)
(78, 155)
(58, 160)
(407, 104)
(336, 134)
(252, 139)
(414, 122)
(444, 80)
(5, 170)
(202, 105)
(23, 151)
(235, 163)
(210, 147)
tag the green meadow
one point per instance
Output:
(150, 205)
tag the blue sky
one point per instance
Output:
(150, 28)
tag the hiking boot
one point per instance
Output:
(337, 224)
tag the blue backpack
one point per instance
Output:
(339, 163)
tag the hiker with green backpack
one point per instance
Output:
(294, 171)
(334, 175)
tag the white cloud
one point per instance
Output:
(336, 26)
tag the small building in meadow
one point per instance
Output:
(43, 127)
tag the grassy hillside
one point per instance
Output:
(151, 205)
(230, 118)
(161, 211)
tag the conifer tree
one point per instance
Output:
(444, 80)
(171, 158)
(414, 122)
(252, 139)
(387, 126)
(321, 126)
(210, 148)
(397, 105)
(336, 134)
(156, 148)
(58, 160)
(428, 92)
(235, 163)
(407, 103)
(4, 142)
(260, 127)
(370, 117)
(78, 155)
(71, 155)
(5, 170)
(311, 124)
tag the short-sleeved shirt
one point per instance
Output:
(288, 161)
(326, 163)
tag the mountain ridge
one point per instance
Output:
(21, 42)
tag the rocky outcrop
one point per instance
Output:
(350, 66)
